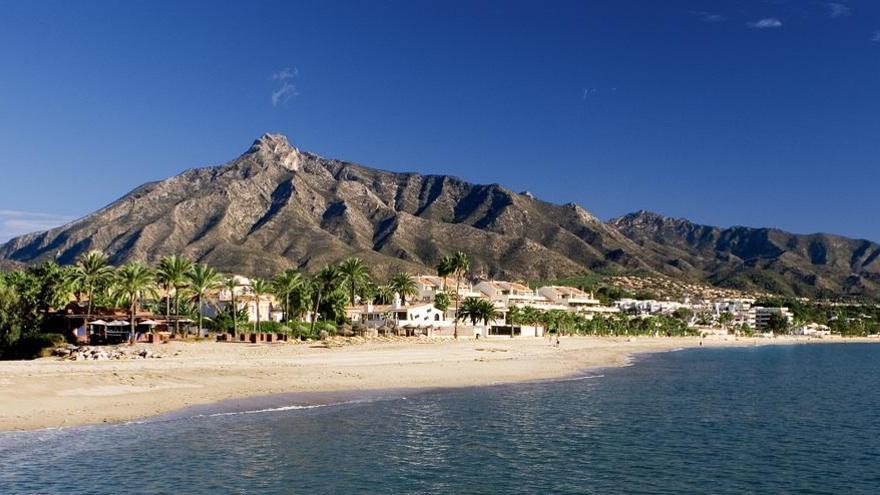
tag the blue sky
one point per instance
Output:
(748, 112)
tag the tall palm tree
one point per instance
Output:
(285, 285)
(134, 280)
(326, 281)
(445, 268)
(231, 284)
(202, 279)
(260, 287)
(354, 275)
(404, 285)
(91, 271)
(460, 266)
(171, 275)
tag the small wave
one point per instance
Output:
(579, 378)
(676, 349)
(293, 407)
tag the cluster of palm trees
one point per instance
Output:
(176, 283)
(565, 322)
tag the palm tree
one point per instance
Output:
(260, 287)
(445, 268)
(488, 312)
(326, 281)
(231, 284)
(460, 266)
(404, 285)
(354, 275)
(91, 271)
(134, 280)
(171, 275)
(470, 309)
(285, 285)
(384, 294)
(202, 279)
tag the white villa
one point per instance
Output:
(245, 299)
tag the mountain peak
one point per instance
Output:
(641, 216)
(276, 148)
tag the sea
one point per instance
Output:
(770, 419)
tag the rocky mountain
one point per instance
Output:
(749, 258)
(276, 207)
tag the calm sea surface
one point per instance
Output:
(776, 419)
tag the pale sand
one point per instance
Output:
(52, 393)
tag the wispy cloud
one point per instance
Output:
(14, 223)
(768, 23)
(837, 9)
(876, 37)
(708, 16)
(282, 94)
(588, 92)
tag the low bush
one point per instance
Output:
(34, 346)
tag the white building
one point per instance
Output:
(763, 315)
(812, 330)
(245, 299)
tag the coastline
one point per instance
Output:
(49, 393)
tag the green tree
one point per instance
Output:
(10, 323)
(460, 266)
(445, 268)
(231, 284)
(441, 301)
(724, 319)
(172, 276)
(284, 286)
(404, 285)
(354, 275)
(135, 281)
(469, 310)
(90, 272)
(777, 323)
(202, 280)
(384, 294)
(326, 281)
(260, 287)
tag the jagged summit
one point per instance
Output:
(276, 148)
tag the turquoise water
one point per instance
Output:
(776, 419)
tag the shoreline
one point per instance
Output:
(49, 393)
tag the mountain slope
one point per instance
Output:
(749, 258)
(276, 207)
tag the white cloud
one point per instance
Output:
(285, 73)
(876, 37)
(836, 9)
(768, 23)
(588, 92)
(708, 16)
(287, 90)
(14, 223)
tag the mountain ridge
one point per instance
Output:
(276, 206)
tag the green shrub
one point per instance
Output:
(34, 346)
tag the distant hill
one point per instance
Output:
(749, 258)
(276, 207)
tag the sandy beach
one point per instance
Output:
(52, 393)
